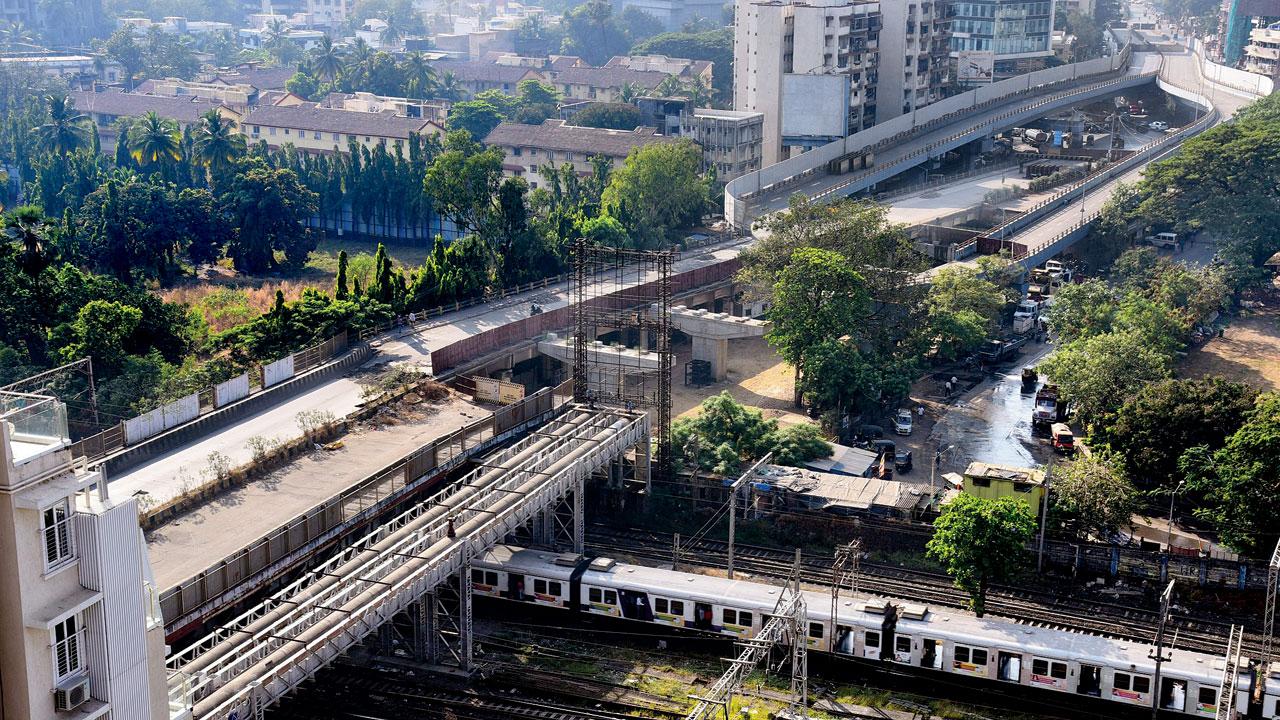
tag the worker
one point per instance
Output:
(920, 411)
(450, 531)
(948, 388)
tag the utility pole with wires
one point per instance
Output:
(799, 647)
(733, 504)
(844, 571)
(1044, 515)
(1269, 623)
(1158, 654)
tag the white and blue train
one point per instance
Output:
(992, 650)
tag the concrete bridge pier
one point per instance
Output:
(711, 333)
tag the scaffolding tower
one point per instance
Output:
(624, 295)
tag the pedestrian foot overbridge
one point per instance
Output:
(418, 562)
(861, 160)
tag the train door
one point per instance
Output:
(931, 654)
(515, 586)
(902, 649)
(635, 605)
(871, 647)
(843, 641)
(1173, 694)
(1009, 666)
(1090, 680)
(702, 616)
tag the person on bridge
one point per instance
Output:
(450, 531)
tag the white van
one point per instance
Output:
(1165, 240)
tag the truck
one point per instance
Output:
(1026, 316)
(1030, 378)
(1048, 408)
(995, 351)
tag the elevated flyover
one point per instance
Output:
(855, 163)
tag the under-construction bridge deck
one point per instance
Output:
(253, 661)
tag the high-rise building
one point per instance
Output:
(80, 628)
(992, 40)
(809, 67)
(914, 55)
(1237, 20)
(63, 22)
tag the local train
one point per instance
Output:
(953, 642)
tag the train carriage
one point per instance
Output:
(992, 650)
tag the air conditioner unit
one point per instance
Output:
(71, 694)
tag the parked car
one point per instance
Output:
(902, 461)
(1158, 125)
(902, 422)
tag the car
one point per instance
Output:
(902, 461)
(1158, 125)
(902, 422)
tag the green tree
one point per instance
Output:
(101, 330)
(1152, 429)
(154, 141)
(818, 296)
(725, 433)
(713, 45)
(26, 227)
(267, 207)
(122, 48)
(839, 377)
(592, 33)
(478, 117)
(638, 24)
(340, 285)
(1240, 482)
(963, 310)
(1099, 373)
(981, 542)
(611, 116)
(327, 59)
(464, 181)
(1093, 492)
(1081, 310)
(217, 145)
(67, 131)
(658, 191)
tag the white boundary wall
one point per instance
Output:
(1252, 83)
(231, 390)
(277, 372)
(162, 418)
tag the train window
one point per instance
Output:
(1208, 696)
(902, 644)
(1058, 670)
(733, 617)
(539, 587)
(1121, 682)
(660, 605)
(610, 597)
(554, 588)
(1054, 669)
(1136, 683)
(1039, 667)
(594, 595)
(979, 657)
(744, 619)
(1141, 684)
(677, 607)
(477, 576)
(873, 639)
(490, 577)
(815, 630)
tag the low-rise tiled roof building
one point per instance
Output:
(312, 128)
(528, 147)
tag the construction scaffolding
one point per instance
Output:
(622, 335)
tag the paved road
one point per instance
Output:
(166, 477)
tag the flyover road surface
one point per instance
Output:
(168, 476)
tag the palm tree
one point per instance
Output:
(154, 140)
(419, 74)
(627, 92)
(15, 35)
(698, 92)
(217, 144)
(66, 131)
(25, 225)
(669, 87)
(392, 33)
(449, 87)
(360, 52)
(327, 59)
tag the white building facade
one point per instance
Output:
(809, 67)
(80, 628)
(914, 56)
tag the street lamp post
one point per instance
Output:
(1168, 540)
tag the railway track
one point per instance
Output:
(1033, 608)
(368, 694)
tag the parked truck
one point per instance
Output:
(995, 351)
(1048, 408)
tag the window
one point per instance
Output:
(477, 576)
(55, 526)
(490, 577)
(336, 137)
(271, 131)
(594, 595)
(351, 138)
(315, 135)
(873, 639)
(815, 630)
(517, 152)
(729, 617)
(744, 619)
(902, 644)
(286, 131)
(540, 587)
(980, 482)
(554, 588)
(974, 656)
(660, 606)
(1208, 696)
(1051, 668)
(610, 597)
(66, 647)
(1136, 683)
(257, 129)
(1141, 684)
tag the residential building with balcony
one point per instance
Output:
(811, 68)
(529, 147)
(914, 56)
(1262, 54)
(732, 141)
(80, 628)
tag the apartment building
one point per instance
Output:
(732, 141)
(80, 628)
(436, 111)
(810, 67)
(312, 128)
(528, 147)
(673, 14)
(1262, 54)
(993, 40)
(476, 76)
(914, 56)
(105, 108)
(77, 70)
(1236, 21)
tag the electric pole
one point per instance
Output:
(1158, 654)
(733, 504)
(844, 571)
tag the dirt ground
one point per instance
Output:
(756, 377)
(1248, 351)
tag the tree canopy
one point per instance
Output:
(658, 192)
(725, 434)
(1094, 495)
(981, 542)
